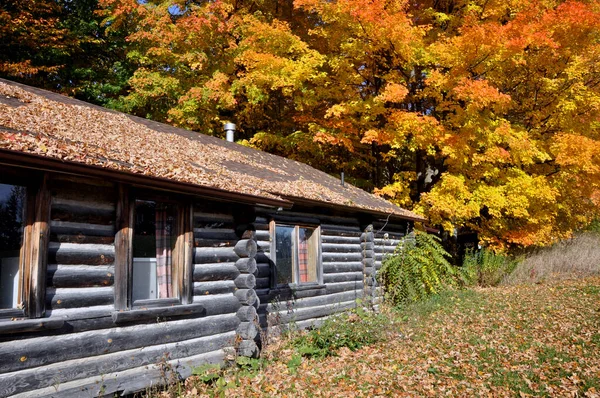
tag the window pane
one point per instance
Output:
(307, 255)
(12, 204)
(153, 243)
(284, 253)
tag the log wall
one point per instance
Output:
(342, 272)
(82, 346)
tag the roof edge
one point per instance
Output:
(312, 202)
(33, 161)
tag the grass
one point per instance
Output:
(525, 340)
(576, 257)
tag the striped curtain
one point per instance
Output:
(163, 253)
(303, 256)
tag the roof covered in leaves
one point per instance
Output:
(39, 122)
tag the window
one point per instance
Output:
(12, 220)
(154, 241)
(296, 253)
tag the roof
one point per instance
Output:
(50, 125)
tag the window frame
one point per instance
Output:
(182, 261)
(295, 255)
(33, 254)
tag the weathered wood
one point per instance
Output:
(129, 381)
(246, 265)
(386, 242)
(368, 262)
(215, 272)
(340, 248)
(342, 277)
(316, 301)
(262, 235)
(340, 228)
(340, 239)
(215, 233)
(46, 350)
(39, 249)
(88, 254)
(247, 313)
(82, 191)
(79, 297)
(299, 219)
(263, 245)
(212, 217)
(213, 287)
(247, 330)
(246, 248)
(245, 281)
(209, 255)
(344, 286)
(101, 240)
(73, 228)
(312, 312)
(63, 372)
(339, 233)
(336, 257)
(354, 266)
(263, 283)
(215, 242)
(248, 348)
(120, 317)
(183, 253)
(262, 257)
(263, 270)
(30, 325)
(317, 291)
(79, 275)
(246, 296)
(367, 237)
(217, 304)
(367, 246)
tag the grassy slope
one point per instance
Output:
(509, 341)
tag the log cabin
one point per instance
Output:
(128, 246)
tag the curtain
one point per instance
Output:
(163, 253)
(303, 256)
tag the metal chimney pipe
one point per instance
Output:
(229, 131)
(342, 178)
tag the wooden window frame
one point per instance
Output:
(295, 260)
(182, 260)
(33, 255)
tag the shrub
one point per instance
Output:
(351, 329)
(486, 268)
(418, 269)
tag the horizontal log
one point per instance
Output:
(340, 233)
(87, 204)
(301, 219)
(340, 247)
(79, 239)
(212, 217)
(368, 262)
(262, 235)
(247, 330)
(311, 312)
(79, 297)
(345, 228)
(213, 287)
(340, 239)
(342, 277)
(92, 194)
(215, 233)
(336, 257)
(387, 242)
(53, 349)
(246, 265)
(30, 325)
(247, 313)
(263, 270)
(263, 245)
(330, 268)
(215, 272)
(217, 304)
(79, 275)
(245, 281)
(129, 381)
(215, 242)
(325, 218)
(246, 248)
(262, 257)
(76, 213)
(328, 299)
(263, 283)
(344, 286)
(248, 348)
(88, 254)
(209, 255)
(158, 314)
(317, 291)
(246, 296)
